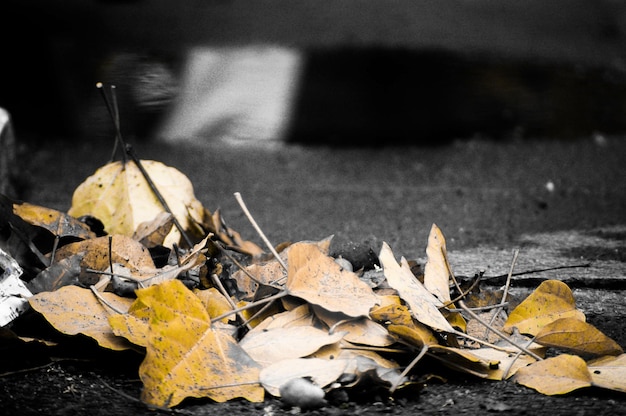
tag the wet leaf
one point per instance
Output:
(552, 300)
(318, 279)
(609, 372)
(436, 273)
(119, 196)
(557, 375)
(578, 337)
(424, 306)
(73, 310)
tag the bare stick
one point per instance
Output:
(250, 305)
(104, 301)
(408, 368)
(222, 289)
(259, 231)
(498, 333)
(506, 287)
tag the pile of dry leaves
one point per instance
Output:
(138, 263)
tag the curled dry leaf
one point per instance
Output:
(357, 330)
(557, 375)
(119, 196)
(424, 306)
(578, 337)
(552, 300)
(436, 272)
(318, 279)
(609, 372)
(124, 250)
(73, 310)
(58, 223)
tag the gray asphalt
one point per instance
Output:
(478, 192)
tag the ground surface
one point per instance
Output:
(486, 197)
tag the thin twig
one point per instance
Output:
(250, 305)
(259, 231)
(498, 333)
(104, 301)
(222, 289)
(506, 288)
(408, 368)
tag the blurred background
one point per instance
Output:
(342, 72)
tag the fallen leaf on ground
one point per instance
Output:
(58, 223)
(273, 345)
(552, 300)
(73, 310)
(578, 337)
(124, 250)
(318, 279)
(119, 196)
(436, 272)
(357, 330)
(186, 357)
(557, 375)
(609, 372)
(424, 306)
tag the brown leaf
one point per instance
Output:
(124, 250)
(552, 300)
(358, 331)
(557, 375)
(578, 337)
(318, 279)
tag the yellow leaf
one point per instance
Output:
(463, 360)
(578, 337)
(318, 279)
(119, 196)
(215, 303)
(415, 334)
(436, 273)
(186, 357)
(557, 375)
(609, 372)
(58, 223)
(298, 316)
(73, 310)
(359, 331)
(273, 345)
(552, 300)
(424, 306)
